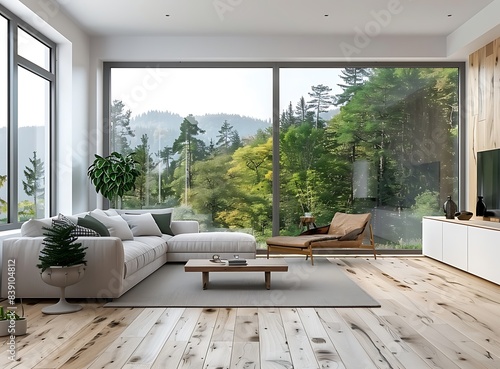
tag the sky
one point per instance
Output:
(34, 92)
(198, 91)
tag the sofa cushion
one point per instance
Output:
(142, 224)
(217, 242)
(163, 221)
(141, 251)
(89, 221)
(33, 227)
(78, 231)
(117, 226)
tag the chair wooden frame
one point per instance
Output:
(316, 238)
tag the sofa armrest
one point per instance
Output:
(184, 226)
(103, 277)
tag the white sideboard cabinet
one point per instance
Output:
(473, 245)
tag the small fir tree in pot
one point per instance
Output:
(62, 263)
(60, 248)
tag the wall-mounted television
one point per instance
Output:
(488, 180)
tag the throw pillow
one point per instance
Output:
(90, 222)
(142, 224)
(163, 222)
(116, 225)
(111, 212)
(79, 230)
(33, 227)
(98, 212)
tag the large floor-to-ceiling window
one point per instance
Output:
(27, 80)
(255, 146)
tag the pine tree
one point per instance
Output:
(190, 147)
(321, 100)
(60, 247)
(224, 136)
(353, 79)
(35, 175)
(288, 118)
(120, 128)
(145, 164)
(301, 110)
(235, 141)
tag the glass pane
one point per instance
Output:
(381, 140)
(202, 137)
(32, 150)
(3, 118)
(33, 50)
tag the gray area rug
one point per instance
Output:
(323, 285)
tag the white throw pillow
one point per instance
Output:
(111, 212)
(33, 227)
(142, 224)
(116, 225)
(98, 212)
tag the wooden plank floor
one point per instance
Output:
(432, 316)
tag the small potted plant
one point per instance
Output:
(11, 323)
(62, 262)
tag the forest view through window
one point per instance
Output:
(382, 140)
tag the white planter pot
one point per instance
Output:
(13, 327)
(62, 277)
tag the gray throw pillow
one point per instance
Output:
(90, 222)
(163, 222)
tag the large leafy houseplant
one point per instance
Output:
(60, 248)
(113, 175)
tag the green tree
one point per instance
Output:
(3, 180)
(256, 159)
(387, 120)
(213, 191)
(251, 173)
(235, 141)
(35, 177)
(226, 138)
(120, 128)
(320, 102)
(145, 165)
(190, 149)
(301, 110)
(288, 118)
(353, 80)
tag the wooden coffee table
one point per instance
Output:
(253, 265)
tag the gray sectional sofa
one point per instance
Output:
(139, 242)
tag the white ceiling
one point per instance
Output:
(270, 17)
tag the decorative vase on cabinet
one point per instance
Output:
(450, 208)
(480, 207)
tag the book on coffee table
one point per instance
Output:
(237, 262)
